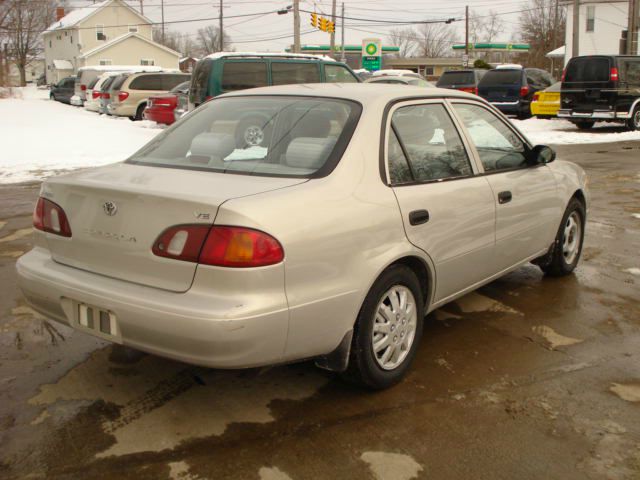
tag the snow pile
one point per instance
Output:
(41, 137)
(562, 132)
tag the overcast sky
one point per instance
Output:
(272, 32)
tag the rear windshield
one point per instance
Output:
(456, 78)
(418, 82)
(501, 77)
(180, 88)
(117, 83)
(257, 135)
(590, 69)
(92, 83)
(107, 83)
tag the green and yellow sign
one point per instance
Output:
(372, 54)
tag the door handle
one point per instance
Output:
(418, 217)
(504, 197)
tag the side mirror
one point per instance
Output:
(541, 155)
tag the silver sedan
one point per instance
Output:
(315, 221)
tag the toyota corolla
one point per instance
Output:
(302, 222)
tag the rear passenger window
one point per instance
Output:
(430, 143)
(243, 75)
(117, 83)
(147, 82)
(338, 74)
(498, 146)
(284, 73)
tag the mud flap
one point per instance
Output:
(338, 359)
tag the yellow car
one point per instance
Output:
(546, 103)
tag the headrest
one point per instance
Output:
(208, 145)
(313, 124)
(309, 153)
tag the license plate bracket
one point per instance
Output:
(99, 321)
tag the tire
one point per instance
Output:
(400, 333)
(633, 124)
(564, 257)
(140, 111)
(251, 132)
(586, 125)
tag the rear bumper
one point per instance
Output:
(77, 101)
(201, 326)
(595, 115)
(546, 109)
(512, 108)
(160, 115)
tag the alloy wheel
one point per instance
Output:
(571, 238)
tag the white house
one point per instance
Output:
(106, 33)
(601, 26)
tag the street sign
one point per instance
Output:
(372, 54)
(465, 60)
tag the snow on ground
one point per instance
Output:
(562, 132)
(41, 137)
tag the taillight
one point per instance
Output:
(122, 96)
(83, 87)
(207, 98)
(564, 74)
(95, 95)
(536, 97)
(106, 95)
(469, 90)
(50, 217)
(524, 91)
(613, 75)
(222, 246)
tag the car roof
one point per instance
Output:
(360, 92)
(386, 78)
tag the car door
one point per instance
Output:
(528, 210)
(68, 88)
(447, 210)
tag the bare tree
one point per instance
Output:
(538, 26)
(24, 24)
(403, 38)
(485, 27)
(433, 40)
(172, 39)
(208, 40)
(4, 62)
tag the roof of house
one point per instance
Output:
(78, 15)
(124, 37)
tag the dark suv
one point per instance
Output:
(601, 88)
(511, 89)
(463, 80)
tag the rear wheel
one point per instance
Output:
(140, 111)
(633, 123)
(586, 125)
(388, 330)
(567, 248)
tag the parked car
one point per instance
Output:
(546, 103)
(182, 107)
(463, 80)
(396, 73)
(331, 241)
(87, 74)
(511, 88)
(227, 72)
(94, 94)
(106, 91)
(129, 97)
(601, 88)
(400, 80)
(42, 80)
(160, 108)
(63, 90)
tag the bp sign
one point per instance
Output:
(372, 54)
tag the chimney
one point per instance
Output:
(59, 13)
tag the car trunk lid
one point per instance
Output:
(117, 212)
(501, 86)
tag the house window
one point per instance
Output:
(147, 61)
(49, 43)
(133, 28)
(105, 61)
(100, 32)
(591, 18)
(428, 71)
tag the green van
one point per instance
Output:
(227, 72)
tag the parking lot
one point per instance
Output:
(527, 378)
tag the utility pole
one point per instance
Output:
(555, 37)
(332, 37)
(632, 27)
(221, 32)
(296, 26)
(466, 30)
(141, 7)
(343, 57)
(162, 10)
(575, 48)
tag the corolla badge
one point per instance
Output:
(110, 208)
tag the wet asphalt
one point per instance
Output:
(527, 378)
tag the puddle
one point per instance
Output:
(17, 235)
(474, 302)
(636, 215)
(633, 271)
(629, 392)
(554, 339)
(273, 473)
(391, 466)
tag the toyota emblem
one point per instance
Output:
(110, 208)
